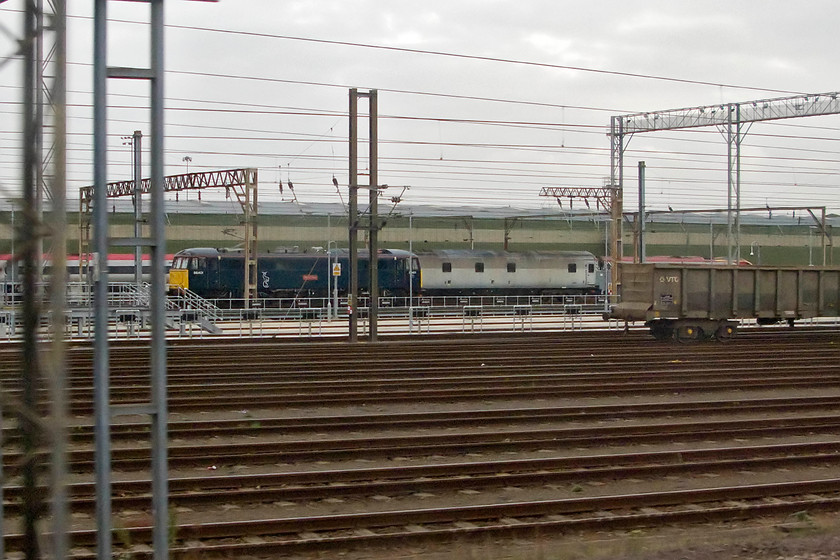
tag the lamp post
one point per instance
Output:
(411, 273)
(187, 160)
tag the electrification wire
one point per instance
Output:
(462, 56)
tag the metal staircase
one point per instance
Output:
(189, 307)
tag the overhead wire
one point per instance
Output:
(581, 128)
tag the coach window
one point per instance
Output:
(511, 267)
(479, 267)
(591, 268)
(572, 267)
(446, 267)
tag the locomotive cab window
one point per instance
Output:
(572, 267)
(446, 267)
(479, 267)
(511, 267)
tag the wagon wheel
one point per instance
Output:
(725, 333)
(689, 333)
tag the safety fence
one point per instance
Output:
(187, 316)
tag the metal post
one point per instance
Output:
(329, 272)
(30, 378)
(353, 289)
(40, 186)
(617, 198)
(730, 253)
(823, 241)
(335, 289)
(138, 206)
(159, 436)
(57, 364)
(641, 211)
(711, 241)
(738, 138)
(101, 381)
(410, 277)
(373, 310)
(607, 266)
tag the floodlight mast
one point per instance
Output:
(730, 118)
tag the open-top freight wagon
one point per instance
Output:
(690, 302)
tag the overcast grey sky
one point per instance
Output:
(261, 83)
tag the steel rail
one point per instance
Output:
(404, 480)
(182, 456)
(229, 365)
(274, 349)
(729, 502)
(257, 426)
(487, 379)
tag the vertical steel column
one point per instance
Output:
(101, 381)
(159, 416)
(730, 253)
(641, 211)
(823, 237)
(249, 206)
(734, 135)
(353, 217)
(57, 366)
(616, 207)
(136, 145)
(31, 375)
(373, 158)
(39, 130)
(738, 138)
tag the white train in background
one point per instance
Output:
(457, 272)
(121, 268)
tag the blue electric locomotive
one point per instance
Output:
(220, 273)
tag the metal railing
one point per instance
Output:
(295, 308)
(190, 315)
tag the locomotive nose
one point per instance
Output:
(179, 279)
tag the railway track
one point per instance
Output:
(269, 450)
(694, 437)
(277, 375)
(289, 534)
(457, 476)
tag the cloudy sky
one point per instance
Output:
(480, 102)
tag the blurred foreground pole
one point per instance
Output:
(43, 428)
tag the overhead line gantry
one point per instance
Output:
(733, 120)
(242, 182)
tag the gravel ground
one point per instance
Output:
(817, 538)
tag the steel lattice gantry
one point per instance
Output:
(607, 197)
(731, 119)
(242, 182)
(604, 196)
